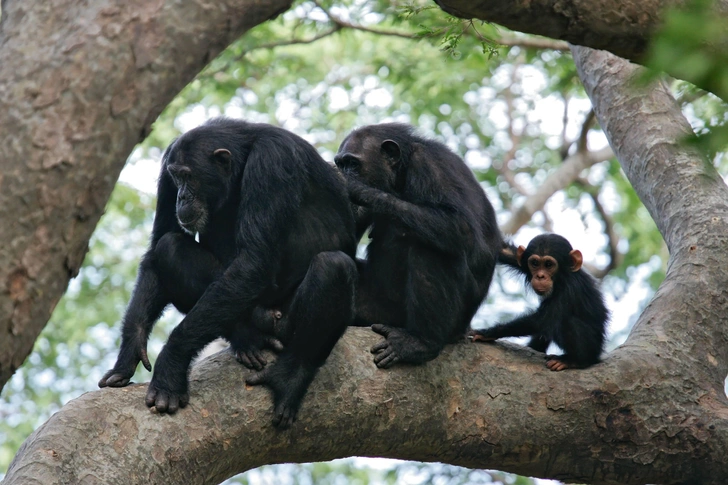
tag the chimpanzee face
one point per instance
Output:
(545, 257)
(374, 161)
(201, 176)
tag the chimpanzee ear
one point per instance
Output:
(223, 156)
(576, 260)
(391, 150)
(519, 254)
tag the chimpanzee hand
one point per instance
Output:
(359, 192)
(126, 364)
(480, 336)
(167, 392)
(247, 346)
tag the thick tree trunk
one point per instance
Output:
(622, 27)
(80, 85)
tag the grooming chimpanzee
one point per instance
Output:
(434, 240)
(275, 232)
(572, 312)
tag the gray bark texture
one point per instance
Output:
(653, 412)
(80, 84)
(622, 27)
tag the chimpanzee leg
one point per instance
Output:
(321, 309)
(177, 270)
(581, 343)
(374, 304)
(435, 310)
(539, 343)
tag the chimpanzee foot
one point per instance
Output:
(401, 346)
(288, 381)
(556, 364)
(125, 367)
(168, 390)
(163, 401)
(115, 378)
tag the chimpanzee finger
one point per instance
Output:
(386, 359)
(250, 360)
(258, 378)
(145, 360)
(283, 417)
(556, 365)
(383, 330)
(151, 397)
(379, 347)
(173, 405)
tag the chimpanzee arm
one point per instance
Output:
(269, 195)
(435, 226)
(520, 327)
(363, 220)
(507, 256)
(147, 301)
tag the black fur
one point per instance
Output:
(573, 315)
(275, 232)
(434, 240)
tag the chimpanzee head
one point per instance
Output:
(199, 164)
(545, 259)
(377, 155)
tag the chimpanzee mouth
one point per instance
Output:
(192, 227)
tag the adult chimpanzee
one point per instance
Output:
(434, 240)
(275, 231)
(572, 312)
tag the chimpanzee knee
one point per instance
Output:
(334, 268)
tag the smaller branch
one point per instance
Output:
(581, 144)
(344, 24)
(560, 179)
(282, 43)
(615, 257)
(565, 144)
(515, 139)
(533, 43)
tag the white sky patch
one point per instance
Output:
(338, 98)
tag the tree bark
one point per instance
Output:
(622, 27)
(80, 85)
(632, 419)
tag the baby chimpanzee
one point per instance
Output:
(572, 312)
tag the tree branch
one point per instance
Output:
(475, 405)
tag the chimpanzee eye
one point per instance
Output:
(549, 264)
